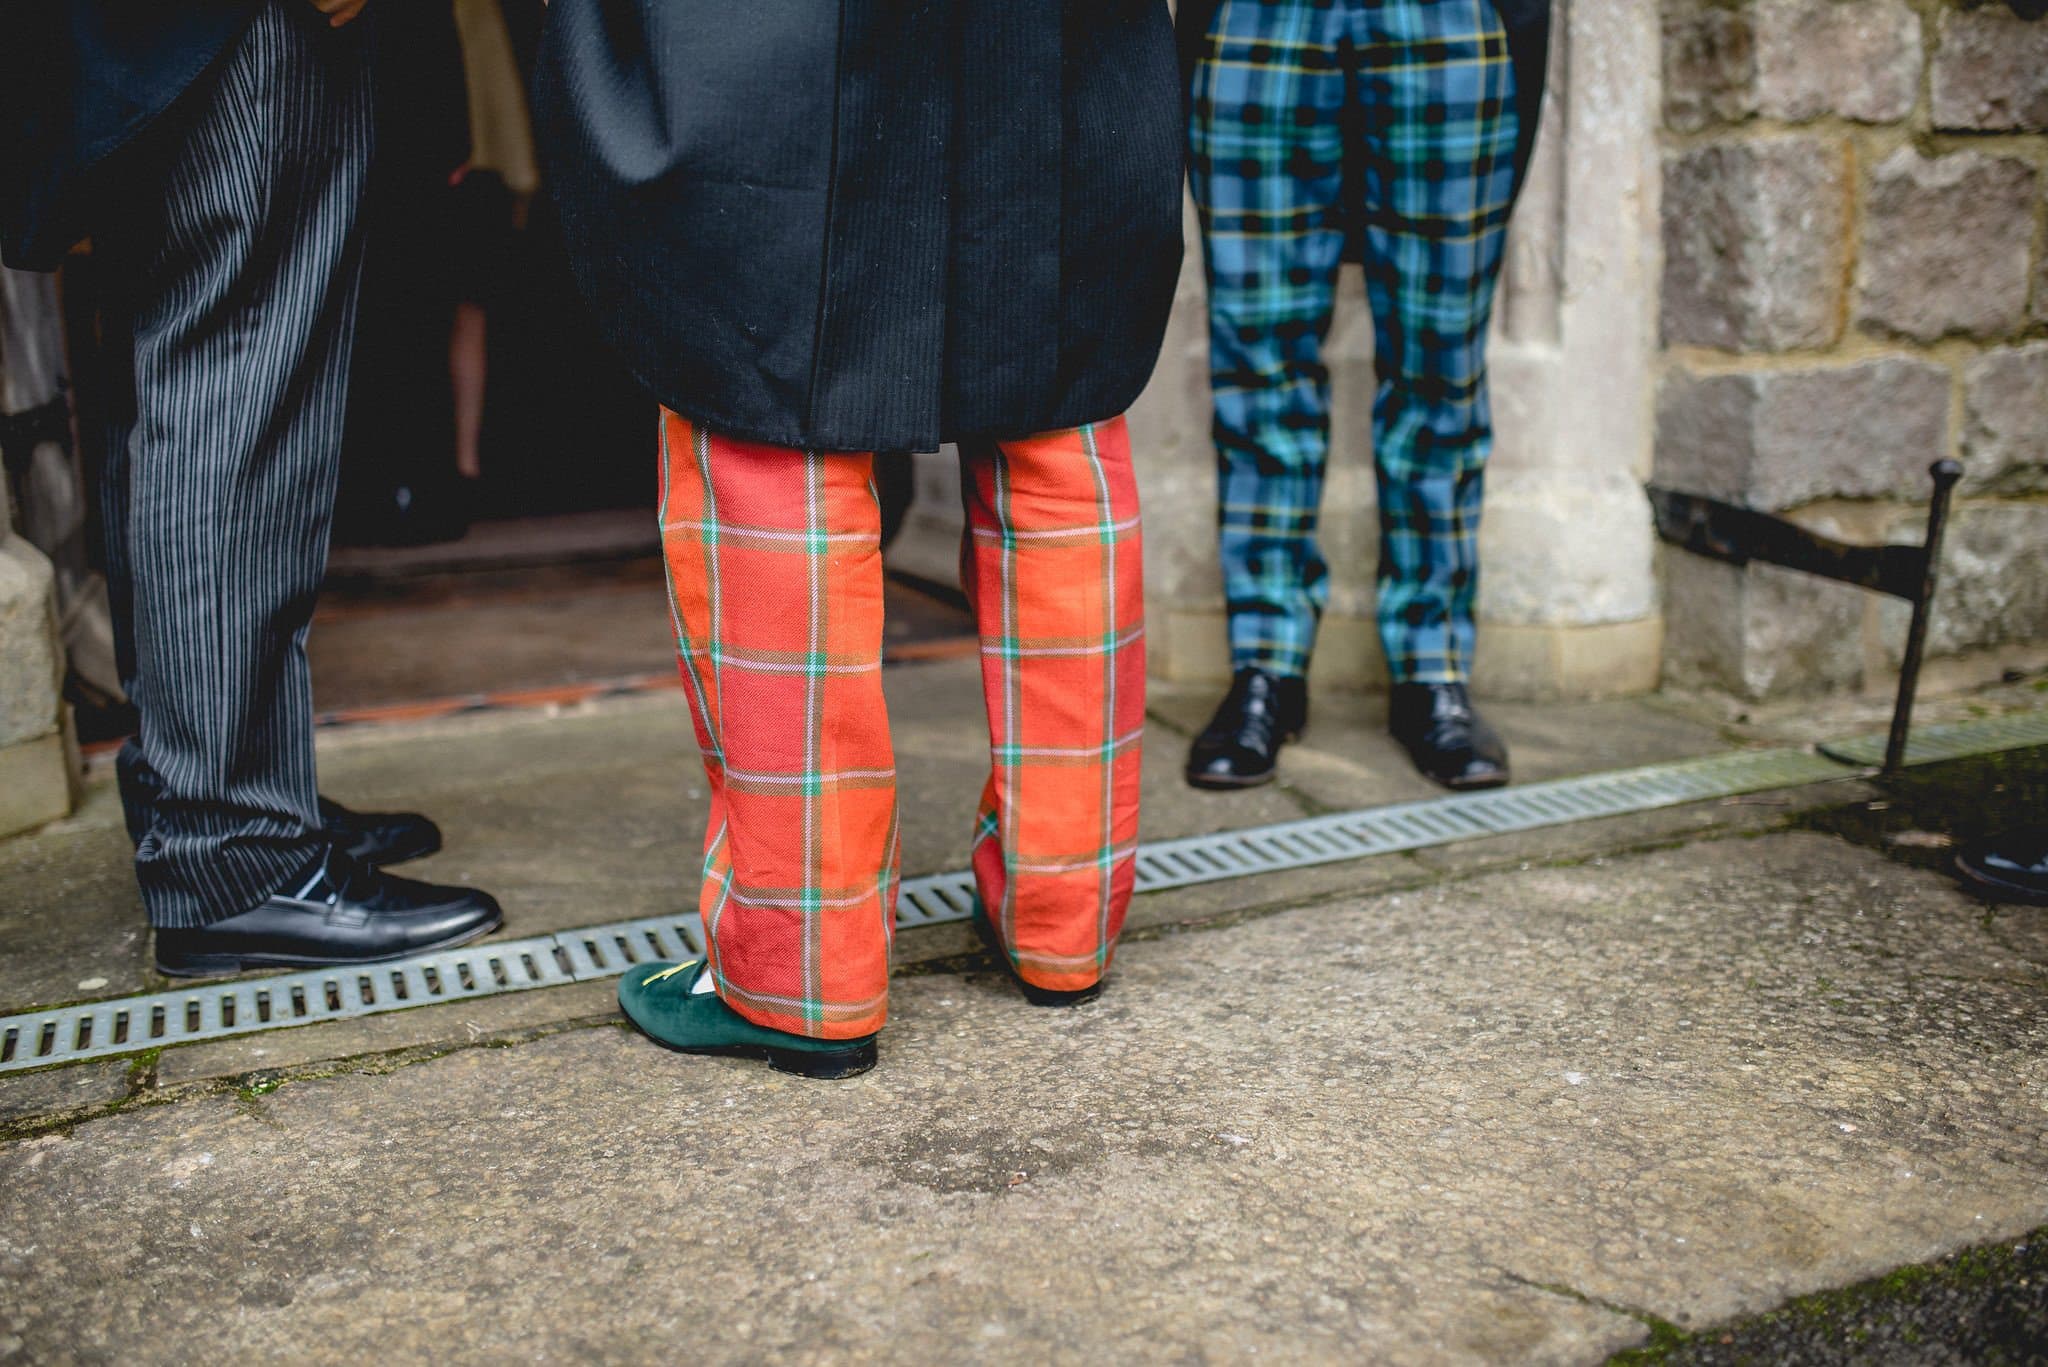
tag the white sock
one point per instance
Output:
(703, 984)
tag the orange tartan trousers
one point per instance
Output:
(775, 583)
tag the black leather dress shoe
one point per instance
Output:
(1448, 741)
(380, 838)
(345, 912)
(1242, 741)
(2009, 867)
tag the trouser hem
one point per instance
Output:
(825, 1030)
(179, 906)
(1279, 669)
(1434, 676)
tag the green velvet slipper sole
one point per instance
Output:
(1037, 996)
(657, 998)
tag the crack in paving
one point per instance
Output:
(1663, 1333)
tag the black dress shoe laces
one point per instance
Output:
(1450, 706)
(1258, 711)
(1446, 737)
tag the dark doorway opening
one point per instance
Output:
(535, 571)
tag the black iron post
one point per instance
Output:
(1945, 473)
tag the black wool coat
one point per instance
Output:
(870, 224)
(80, 82)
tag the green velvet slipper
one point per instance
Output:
(657, 998)
(1037, 996)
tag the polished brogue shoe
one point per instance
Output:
(1447, 740)
(2009, 867)
(380, 838)
(1241, 743)
(342, 912)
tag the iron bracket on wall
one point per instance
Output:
(1738, 535)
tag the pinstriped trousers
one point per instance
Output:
(232, 267)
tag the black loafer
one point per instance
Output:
(380, 838)
(344, 912)
(2009, 867)
(1241, 743)
(1448, 741)
(1036, 995)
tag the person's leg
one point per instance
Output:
(1054, 566)
(1266, 174)
(775, 583)
(378, 838)
(1438, 178)
(468, 374)
(240, 302)
(483, 218)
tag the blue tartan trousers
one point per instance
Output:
(1394, 121)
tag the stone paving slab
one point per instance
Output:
(71, 923)
(33, 1097)
(448, 1025)
(1457, 1123)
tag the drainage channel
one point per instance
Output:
(127, 1025)
(1955, 740)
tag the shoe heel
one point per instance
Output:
(836, 1063)
(1053, 996)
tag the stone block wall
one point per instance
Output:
(1855, 284)
(38, 753)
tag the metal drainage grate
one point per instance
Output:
(1466, 816)
(1957, 740)
(129, 1025)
